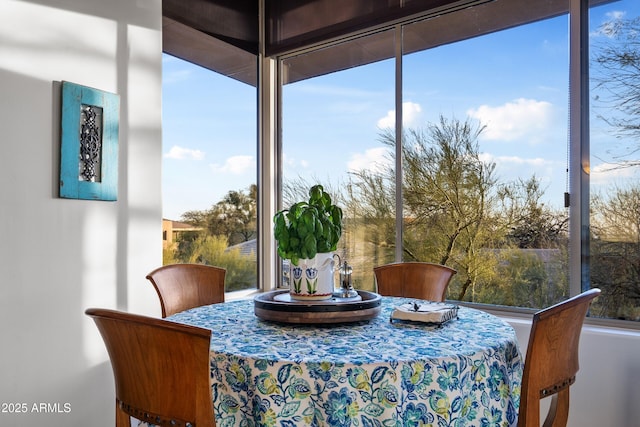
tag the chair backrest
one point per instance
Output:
(184, 286)
(161, 369)
(551, 363)
(421, 280)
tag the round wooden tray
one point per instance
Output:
(335, 310)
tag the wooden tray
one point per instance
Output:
(335, 310)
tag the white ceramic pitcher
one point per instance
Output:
(312, 279)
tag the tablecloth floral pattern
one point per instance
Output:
(467, 372)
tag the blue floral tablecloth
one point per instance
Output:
(376, 373)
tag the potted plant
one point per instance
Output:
(307, 233)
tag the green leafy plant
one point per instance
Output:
(308, 227)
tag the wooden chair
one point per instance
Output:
(551, 363)
(421, 280)
(184, 286)
(161, 369)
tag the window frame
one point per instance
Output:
(578, 164)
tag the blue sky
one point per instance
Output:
(331, 123)
(209, 135)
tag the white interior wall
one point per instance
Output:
(59, 256)
(607, 388)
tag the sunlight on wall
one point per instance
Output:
(91, 39)
(99, 283)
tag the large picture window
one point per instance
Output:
(614, 259)
(485, 162)
(485, 152)
(209, 171)
(331, 127)
(448, 138)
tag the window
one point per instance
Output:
(209, 170)
(615, 158)
(330, 130)
(491, 97)
(485, 161)
(497, 74)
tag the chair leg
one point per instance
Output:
(558, 414)
(122, 418)
(529, 413)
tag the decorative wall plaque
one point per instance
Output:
(89, 146)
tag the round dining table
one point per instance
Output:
(465, 372)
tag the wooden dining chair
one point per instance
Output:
(421, 280)
(184, 286)
(551, 362)
(161, 369)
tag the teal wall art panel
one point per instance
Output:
(89, 143)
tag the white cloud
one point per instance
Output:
(291, 162)
(608, 27)
(388, 121)
(286, 160)
(411, 113)
(180, 153)
(514, 120)
(616, 15)
(235, 165)
(373, 159)
(512, 167)
(516, 160)
(607, 173)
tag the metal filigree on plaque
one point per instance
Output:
(90, 143)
